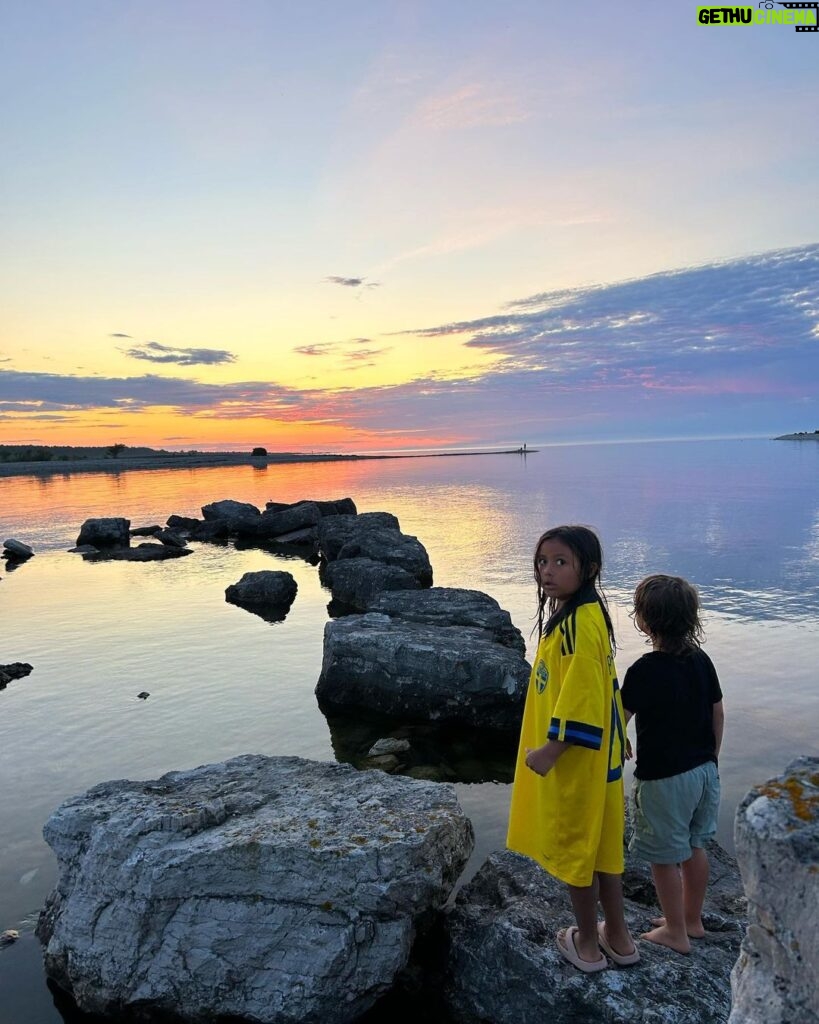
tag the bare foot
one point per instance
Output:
(663, 937)
(695, 931)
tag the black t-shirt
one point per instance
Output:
(673, 697)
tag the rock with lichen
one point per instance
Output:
(272, 889)
(776, 979)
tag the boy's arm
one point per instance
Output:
(718, 719)
(629, 751)
(544, 758)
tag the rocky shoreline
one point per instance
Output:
(207, 460)
(169, 460)
(281, 890)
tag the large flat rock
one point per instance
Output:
(274, 889)
(452, 606)
(504, 966)
(415, 671)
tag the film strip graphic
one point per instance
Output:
(801, 7)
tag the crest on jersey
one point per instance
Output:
(541, 677)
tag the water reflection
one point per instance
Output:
(740, 519)
(437, 753)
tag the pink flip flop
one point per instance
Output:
(566, 947)
(621, 959)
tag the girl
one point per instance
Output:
(567, 801)
(675, 694)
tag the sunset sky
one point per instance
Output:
(376, 225)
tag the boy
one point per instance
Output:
(676, 697)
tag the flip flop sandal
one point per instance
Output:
(567, 949)
(621, 959)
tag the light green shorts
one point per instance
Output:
(674, 815)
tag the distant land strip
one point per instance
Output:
(802, 435)
(45, 460)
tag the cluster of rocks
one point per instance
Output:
(109, 539)
(280, 890)
(398, 647)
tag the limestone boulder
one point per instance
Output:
(171, 538)
(276, 890)
(776, 831)
(357, 582)
(145, 531)
(419, 672)
(451, 606)
(238, 516)
(267, 588)
(392, 548)
(296, 517)
(336, 507)
(106, 532)
(335, 531)
(503, 965)
(16, 550)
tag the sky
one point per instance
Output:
(373, 226)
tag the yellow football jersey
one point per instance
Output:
(571, 821)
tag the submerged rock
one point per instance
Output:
(414, 671)
(274, 889)
(141, 553)
(504, 966)
(776, 979)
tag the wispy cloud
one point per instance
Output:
(118, 335)
(472, 105)
(366, 353)
(320, 349)
(727, 347)
(352, 282)
(153, 352)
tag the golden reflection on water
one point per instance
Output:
(223, 681)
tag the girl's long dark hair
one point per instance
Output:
(585, 546)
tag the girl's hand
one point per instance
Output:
(539, 760)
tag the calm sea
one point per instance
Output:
(738, 518)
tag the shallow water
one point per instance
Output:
(738, 518)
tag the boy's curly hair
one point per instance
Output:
(668, 608)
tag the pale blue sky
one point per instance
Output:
(194, 175)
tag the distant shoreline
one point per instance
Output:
(802, 435)
(205, 460)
